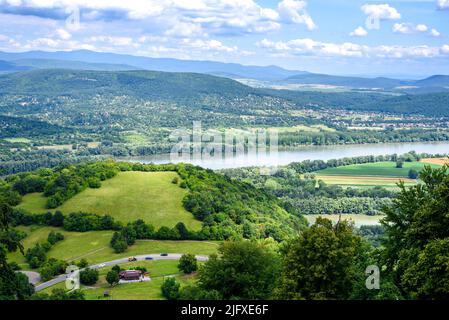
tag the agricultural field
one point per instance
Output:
(384, 174)
(94, 246)
(150, 196)
(438, 161)
(381, 169)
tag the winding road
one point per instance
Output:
(170, 256)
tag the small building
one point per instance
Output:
(130, 275)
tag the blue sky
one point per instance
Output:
(395, 38)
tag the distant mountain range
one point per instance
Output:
(230, 70)
(268, 76)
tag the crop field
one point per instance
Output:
(365, 181)
(150, 196)
(382, 169)
(438, 161)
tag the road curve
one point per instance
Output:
(170, 256)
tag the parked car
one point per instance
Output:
(148, 258)
(101, 265)
(131, 259)
(164, 254)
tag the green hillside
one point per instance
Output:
(129, 196)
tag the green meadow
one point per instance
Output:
(150, 196)
(94, 246)
(384, 169)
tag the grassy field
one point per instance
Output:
(381, 169)
(94, 246)
(365, 181)
(127, 197)
(17, 140)
(150, 290)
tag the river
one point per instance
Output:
(285, 157)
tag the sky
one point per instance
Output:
(401, 38)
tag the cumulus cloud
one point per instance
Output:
(443, 4)
(63, 34)
(295, 11)
(445, 49)
(407, 28)
(359, 32)
(221, 16)
(381, 11)
(308, 46)
(435, 33)
(410, 28)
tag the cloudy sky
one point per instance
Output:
(395, 37)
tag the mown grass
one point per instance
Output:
(94, 246)
(150, 290)
(150, 196)
(383, 169)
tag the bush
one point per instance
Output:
(413, 174)
(188, 263)
(54, 237)
(170, 288)
(89, 276)
(175, 180)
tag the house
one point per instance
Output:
(129, 275)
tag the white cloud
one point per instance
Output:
(359, 32)
(208, 45)
(219, 16)
(435, 33)
(444, 49)
(381, 11)
(409, 28)
(295, 11)
(112, 40)
(63, 34)
(316, 48)
(443, 4)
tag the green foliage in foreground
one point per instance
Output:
(188, 263)
(417, 236)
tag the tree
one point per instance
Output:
(183, 232)
(399, 164)
(413, 174)
(116, 268)
(321, 262)
(170, 288)
(188, 263)
(417, 232)
(83, 263)
(244, 270)
(88, 276)
(13, 285)
(112, 277)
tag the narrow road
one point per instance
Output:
(170, 256)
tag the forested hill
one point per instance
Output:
(194, 90)
(139, 84)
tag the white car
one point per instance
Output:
(101, 265)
